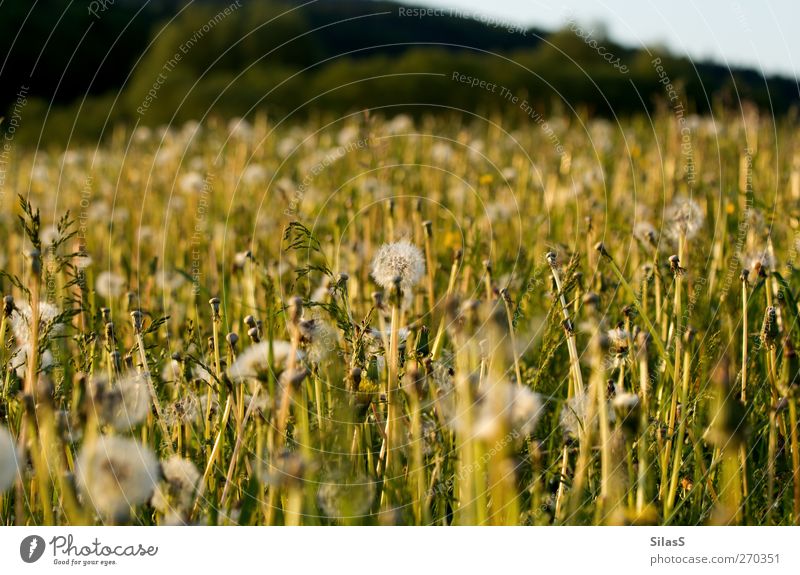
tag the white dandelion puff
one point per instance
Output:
(109, 285)
(186, 410)
(574, 415)
(522, 408)
(21, 321)
(177, 490)
(401, 260)
(115, 474)
(123, 404)
(684, 216)
(252, 362)
(646, 233)
(19, 361)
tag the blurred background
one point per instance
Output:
(80, 68)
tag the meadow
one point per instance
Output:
(387, 320)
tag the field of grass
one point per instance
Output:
(379, 321)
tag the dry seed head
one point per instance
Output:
(601, 248)
(109, 332)
(138, 321)
(552, 259)
(294, 377)
(675, 264)
(214, 303)
(232, 340)
(253, 334)
(355, 378)
(250, 321)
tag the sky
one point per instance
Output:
(761, 34)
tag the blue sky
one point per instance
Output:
(762, 34)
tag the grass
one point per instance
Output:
(199, 326)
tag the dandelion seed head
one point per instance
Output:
(176, 491)
(646, 233)
(115, 474)
(19, 361)
(83, 261)
(521, 407)
(109, 285)
(21, 321)
(575, 412)
(186, 410)
(252, 362)
(123, 404)
(684, 216)
(625, 402)
(759, 259)
(399, 259)
(321, 339)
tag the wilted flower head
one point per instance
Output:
(176, 492)
(684, 216)
(8, 459)
(116, 474)
(109, 285)
(122, 404)
(401, 260)
(21, 320)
